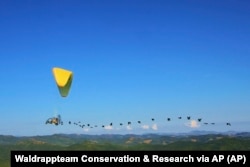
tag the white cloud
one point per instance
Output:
(193, 124)
(86, 129)
(154, 127)
(129, 127)
(108, 127)
(145, 126)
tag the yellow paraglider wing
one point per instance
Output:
(63, 80)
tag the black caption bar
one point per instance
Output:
(126, 158)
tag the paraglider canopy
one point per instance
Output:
(63, 80)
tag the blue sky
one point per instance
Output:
(132, 60)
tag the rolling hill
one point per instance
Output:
(192, 141)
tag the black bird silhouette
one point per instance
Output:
(169, 119)
(69, 122)
(179, 117)
(212, 123)
(139, 122)
(129, 123)
(205, 123)
(111, 124)
(103, 126)
(188, 117)
(152, 119)
(229, 124)
(121, 124)
(199, 119)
